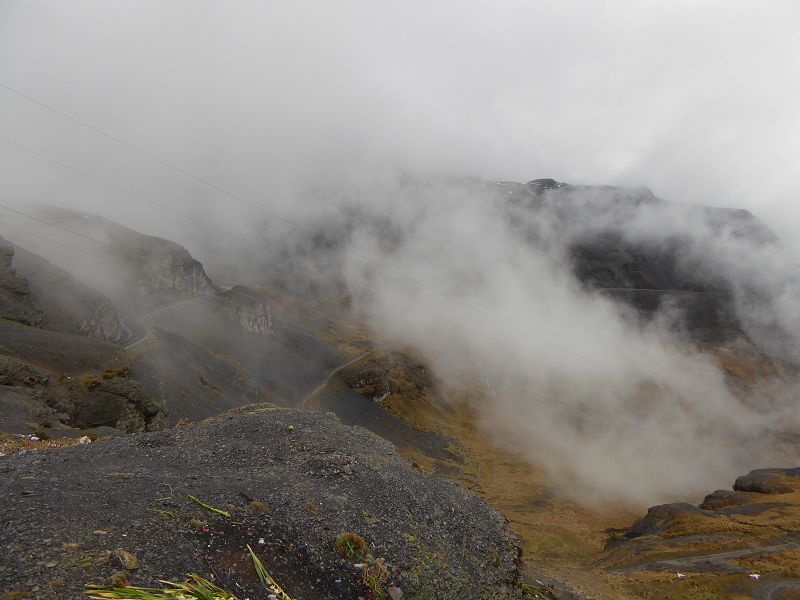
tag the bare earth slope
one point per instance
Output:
(64, 513)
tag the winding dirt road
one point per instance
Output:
(327, 380)
(149, 333)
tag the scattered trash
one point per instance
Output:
(755, 576)
(291, 428)
(681, 576)
(33, 438)
(359, 566)
(85, 440)
(261, 541)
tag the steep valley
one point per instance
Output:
(243, 393)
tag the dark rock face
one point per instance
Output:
(540, 186)
(138, 272)
(118, 403)
(651, 272)
(38, 400)
(769, 481)
(169, 268)
(246, 307)
(141, 273)
(67, 304)
(16, 302)
(312, 477)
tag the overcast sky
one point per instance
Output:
(696, 100)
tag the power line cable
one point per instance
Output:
(100, 180)
(253, 205)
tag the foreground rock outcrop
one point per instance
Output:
(51, 404)
(291, 481)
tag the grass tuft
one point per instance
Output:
(350, 545)
(129, 561)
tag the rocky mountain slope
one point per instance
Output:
(289, 481)
(16, 301)
(56, 370)
(641, 250)
(187, 349)
(75, 307)
(743, 542)
(138, 272)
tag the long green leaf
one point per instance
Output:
(208, 506)
(266, 579)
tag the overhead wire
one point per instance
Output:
(211, 185)
(212, 299)
(270, 213)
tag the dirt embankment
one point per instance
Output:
(290, 480)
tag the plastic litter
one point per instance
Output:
(85, 440)
(755, 576)
(681, 576)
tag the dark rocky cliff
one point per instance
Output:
(16, 301)
(66, 304)
(641, 250)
